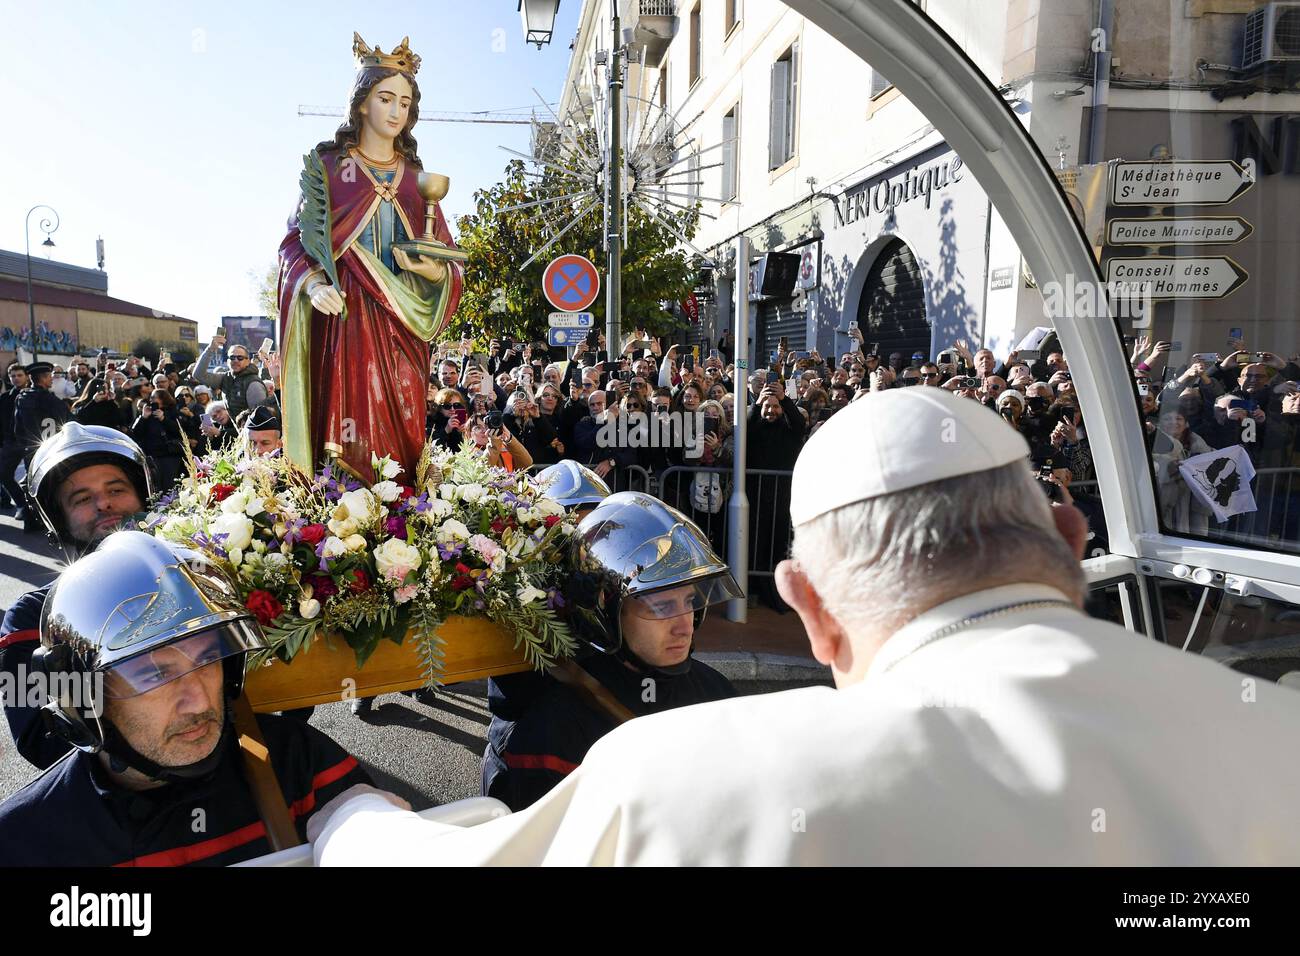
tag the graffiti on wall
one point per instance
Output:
(47, 340)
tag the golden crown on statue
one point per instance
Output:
(400, 59)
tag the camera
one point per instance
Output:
(968, 381)
(492, 421)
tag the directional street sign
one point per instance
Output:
(1177, 231)
(1172, 277)
(1179, 182)
(565, 337)
(571, 320)
(570, 283)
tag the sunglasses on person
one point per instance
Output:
(239, 358)
(453, 405)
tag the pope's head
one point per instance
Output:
(906, 500)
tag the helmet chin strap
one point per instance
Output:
(122, 756)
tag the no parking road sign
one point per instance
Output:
(570, 283)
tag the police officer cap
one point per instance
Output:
(36, 368)
(894, 440)
(262, 418)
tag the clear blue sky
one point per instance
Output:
(172, 130)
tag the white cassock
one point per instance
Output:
(1039, 736)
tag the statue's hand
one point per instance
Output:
(435, 270)
(325, 298)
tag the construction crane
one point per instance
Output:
(498, 117)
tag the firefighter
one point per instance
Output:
(643, 579)
(142, 653)
(84, 483)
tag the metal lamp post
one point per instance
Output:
(48, 228)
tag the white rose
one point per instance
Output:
(309, 608)
(529, 594)
(341, 522)
(237, 529)
(547, 507)
(360, 504)
(439, 509)
(396, 553)
(254, 507)
(235, 556)
(386, 466)
(259, 546)
(387, 490)
(452, 530)
(354, 542)
(472, 493)
(334, 547)
(447, 492)
(235, 502)
(276, 560)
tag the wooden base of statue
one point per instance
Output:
(475, 648)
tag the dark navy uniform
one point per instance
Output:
(19, 637)
(72, 815)
(541, 730)
(35, 407)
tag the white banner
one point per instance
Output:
(1221, 481)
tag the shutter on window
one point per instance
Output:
(728, 156)
(792, 103)
(776, 130)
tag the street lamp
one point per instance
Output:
(48, 228)
(539, 20)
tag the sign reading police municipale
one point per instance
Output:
(1177, 231)
(1171, 277)
(1185, 182)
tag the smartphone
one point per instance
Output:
(625, 376)
(268, 346)
(688, 363)
(773, 378)
(1144, 389)
(478, 358)
(1207, 358)
(459, 415)
(506, 345)
(593, 338)
(1029, 355)
(969, 381)
(947, 358)
(602, 356)
(207, 422)
(715, 354)
(785, 343)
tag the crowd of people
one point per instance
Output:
(171, 410)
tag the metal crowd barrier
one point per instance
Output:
(628, 478)
(770, 531)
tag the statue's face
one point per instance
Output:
(388, 107)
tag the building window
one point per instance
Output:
(693, 175)
(733, 16)
(878, 83)
(695, 44)
(730, 152)
(785, 102)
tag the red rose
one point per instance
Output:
(498, 526)
(312, 534)
(462, 582)
(407, 492)
(222, 492)
(264, 607)
(360, 581)
(553, 520)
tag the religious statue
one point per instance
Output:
(369, 276)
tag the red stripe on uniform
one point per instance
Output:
(539, 762)
(181, 856)
(17, 637)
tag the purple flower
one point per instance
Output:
(554, 599)
(479, 605)
(449, 551)
(396, 526)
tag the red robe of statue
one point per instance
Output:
(366, 374)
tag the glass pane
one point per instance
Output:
(1255, 635)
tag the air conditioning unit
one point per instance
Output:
(1272, 35)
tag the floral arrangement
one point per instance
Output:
(325, 553)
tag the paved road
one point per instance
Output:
(426, 750)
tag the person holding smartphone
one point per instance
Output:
(501, 449)
(242, 386)
(451, 412)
